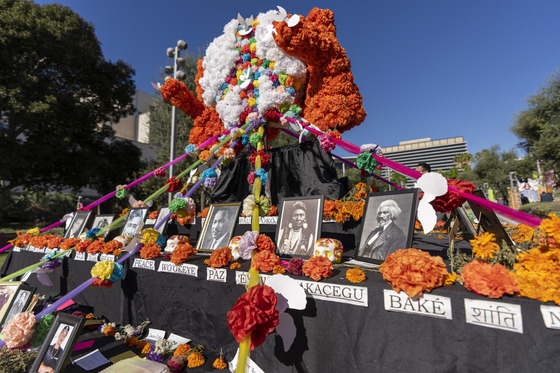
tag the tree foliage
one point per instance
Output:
(57, 94)
(538, 127)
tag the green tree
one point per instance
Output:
(538, 127)
(57, 96)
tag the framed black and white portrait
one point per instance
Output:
(102, 221)
(19, 302)
(299, 225)
(387, 224)
(58, 344)
(218, 226)
(78, 224)
(8, 291)
(162, 220)
(135, 219)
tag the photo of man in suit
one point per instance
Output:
(387, 237)
(219, 228)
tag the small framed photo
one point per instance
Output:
(58, 344)
(162, 215)
(78, 224)
(8, 291)
(218, 226)
(20, 302)
(489, 221)
(300, 220)
(387, 224)
(136, 217)
(101, 221)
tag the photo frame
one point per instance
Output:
(218, 226)
(387, 224)
(58, 344)
(8, 291)
(135, 218)
(19, 303)
(78, 224)
(163, 212)
(299, 225)
(101, 221)
(489, 221)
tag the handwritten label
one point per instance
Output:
(80, 256)
(242, 278)
(145, 264)
(216, 274)
(36, 249)
(92, 257)
(183, 269)
(551, 316)
(425, 305)
(109, 257)
(155, 334)
(266, 220)
(497, 315)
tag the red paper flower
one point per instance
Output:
(265, 158)
(452, 200)
(489, 280)
(254, 313)
(265, 243)
(174, 184)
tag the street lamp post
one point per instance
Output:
(179, 75)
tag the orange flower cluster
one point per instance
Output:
(39, 241)
(355, 275)
(417, 225)
(179, 95)
(81, 246)
(150, 250)
(131, 341)
(332, 98)
(318, 267)
(147, 348)
(538, 273)
(203, 213)
(522, 233)
(450, 279)
(182, 253)
(219, 364)
(207, 125)
(95, 247)
(21, 240)
(181, 349)
(220, 257)
(124, 211)
(413, 271)
(551, 227)
(273, 211)
(235, 265)
(484, 246)
(195, 359)
(278, 269)
(265, 261)
(111, 247)
(153, 215)
(489, 280)
(109, 331)
(265, 243)
(204, 155)
(54, 242)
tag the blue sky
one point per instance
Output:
(425, 68)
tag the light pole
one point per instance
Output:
(179, 75)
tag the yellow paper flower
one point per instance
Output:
(149, 235)
(483, 246)
(551, 227)
(103, 269)
(33, 232)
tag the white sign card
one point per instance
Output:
(505, 316)
(425, 304)
(177, 340)
(216, 274)
(80, 256)
(145, 264)
(155, 334)
(183, 269)
(251, 366)
(551, 316)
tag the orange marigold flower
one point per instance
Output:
(81, 246)
(265, 261)
(69, 243)
(95, 247)
(147, 348)
(522, 233)
(355, 275)
(360, 195)
(203, 213)
(181, 349)
(124, 211)
(150, 250)
(143, 343)
(204, 155)
(538, 273)
(111, 247)
(278, 269)
(182, 253)
(413, 271)
(219, 364)
(489, 280)
(220, 257)
(551, 227)
(131, 341)
(373, 188)
(450, 279)
(439, 236)
(318, 267)
(273, 211)
(360, 186)
(109, 331)
(417, 225)
(265, 243)
(234, 265)
(195, 359)
(483, 245)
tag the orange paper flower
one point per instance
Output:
(234, 265)
(318, 267)
(265, 261)
(69, 243)
(489, 280)
(182, 253)
(538, 273)
(95, 247)
(220, 257)
(265, 243)
(150, 250)
(81, 246)
(413, 271)
(355, 275)
(111, 247)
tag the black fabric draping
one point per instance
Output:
(297, 170)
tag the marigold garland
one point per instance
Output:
(318, 267)
(538, 273)
(220, 257)
(413, 271)
(489, 280)
(483, 245)
(265, 261)
(150, 251)
(355, 275)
